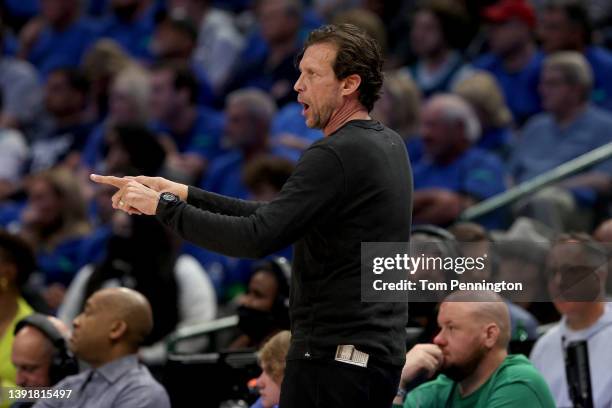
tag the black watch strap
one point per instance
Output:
(166, 201)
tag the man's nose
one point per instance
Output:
(439, 339)
(297, 87)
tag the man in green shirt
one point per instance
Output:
(470, 352)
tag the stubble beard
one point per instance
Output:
(459, 372)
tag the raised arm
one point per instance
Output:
(251, 230)
(192, 195)
(316, 184)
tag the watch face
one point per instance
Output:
(169, 197)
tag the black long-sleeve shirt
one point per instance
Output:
(353, 186)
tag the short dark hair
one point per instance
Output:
(76, 79)
(577, 14)
(132, 137)
(267, 170)
(183, 77)
(453, 21)
(14, 250)
(358, 53)
(181, 25)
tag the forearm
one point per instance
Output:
(237, 236)
(220, 204)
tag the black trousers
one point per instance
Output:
(332, 384)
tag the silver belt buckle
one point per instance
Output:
(349, 354)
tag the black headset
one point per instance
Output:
(63, 362)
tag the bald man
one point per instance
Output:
(33, 351)
(106, 336)
(470, 354)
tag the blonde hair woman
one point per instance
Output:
(483, 93)
(272, 361)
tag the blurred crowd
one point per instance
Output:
(487, 95)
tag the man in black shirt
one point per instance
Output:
(352, 186)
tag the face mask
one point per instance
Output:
(257, 324)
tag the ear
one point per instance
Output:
(351, 84)
(117, 330)
(491, 335)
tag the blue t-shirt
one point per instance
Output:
(204, 136)
(290, 120)
(520, 88)
(476, 173)
(543, 145)
(62, 263)
(225, 176)
(56, 49)
(601, 64)
(496, 141)
(134, 36)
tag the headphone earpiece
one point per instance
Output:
(63, 362)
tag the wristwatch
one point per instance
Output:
(167, 200)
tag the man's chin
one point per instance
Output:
(455, 373)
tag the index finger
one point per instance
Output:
(110, 180)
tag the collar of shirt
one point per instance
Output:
(114, 370)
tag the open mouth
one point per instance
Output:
(305, 108)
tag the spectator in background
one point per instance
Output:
(124, 155)
(107, 336)
(289, 134)
(368, 21)
(64, 136)
(273, 70)
(399, 106)
(57, 38)
(101, 63)
(438, 31)
(125, 150)
(55, 222)
(577, 271)
(485, 97)
(16, 264)
(40, 352)
(513, 57)
(521, 252)
(195, 131)
(265, 176)
(129, 101)
(249, 113)
(571, 126)
(565, 26)
(14, 152)
(473, 242)
(272, 361)
(452, 174)
(219, 43)
(470, 352)
(142, 255)
(131, 24)
(175, 40)
(20, 89)
(264, 310)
